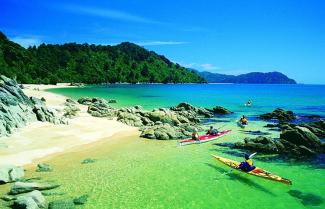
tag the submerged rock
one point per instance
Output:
(31, 200)
(23, 187)
(11, 173)
(81, 200)
(43, 167)
(261, 144)
(279, 114)
(88, 160)
(62, 204)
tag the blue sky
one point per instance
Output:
(228, 36)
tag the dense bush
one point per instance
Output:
(86, 63)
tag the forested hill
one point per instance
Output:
(90, 64)
(249, 78)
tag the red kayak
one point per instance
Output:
(204, 138)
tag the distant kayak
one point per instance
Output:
(241, 125)
(204, 138)
(259, 172)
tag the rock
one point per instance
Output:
(11, 173)
(88, 160)
(100, 108)
(112, 101)
(43, 167)
(261, 144)
(31, 200)
(302, 136)
(130, 119)
(279, 114)
(23, 187)
(271, 125)
(165, 132)
(191, 112)
(15, 107)
(71, 109)
(8, 198)
(62, 204)
(221, 110)
(80, 200)
(295, 141)
(44, 113)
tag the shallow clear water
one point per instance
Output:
(137, 173)
(299, 98)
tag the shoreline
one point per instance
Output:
(39, 140)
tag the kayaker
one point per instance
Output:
(212, 131)
(247, 165)
(195, 135)
(243, 120)
(249, 103)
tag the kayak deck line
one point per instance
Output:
(204, 138)
(259, 172)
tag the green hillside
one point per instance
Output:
(92, 64)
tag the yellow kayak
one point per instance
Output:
(256, 172)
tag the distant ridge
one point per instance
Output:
(249, 78)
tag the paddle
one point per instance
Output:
(251, 156)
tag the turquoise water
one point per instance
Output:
(141, 173)
(299, 98)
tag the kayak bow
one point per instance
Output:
(259, 172)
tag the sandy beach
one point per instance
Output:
(41, 139)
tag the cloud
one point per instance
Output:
(156, 43)
(107, 13)
(26, 41)
(208, 66)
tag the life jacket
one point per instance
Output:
(250, 162)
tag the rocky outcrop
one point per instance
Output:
(23, 187)
(31, 200)
(46, 114)
(221, 110)
(71, 109)
(295, 141)
(166, 131)
(161, 123)
(261, 144)
(280, 115)
(89, 101)
(11, 173)
(16, 109)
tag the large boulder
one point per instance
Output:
(31, 200)
(166, 132)
(130, 119)
(71, 109)
(295, 141)
(261, 144)
(221, 110)
(23, 187)
(279, 114)
(302, 136)
(11, 173)
(15, 107)
(190, 111)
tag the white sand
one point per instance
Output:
(38, 139)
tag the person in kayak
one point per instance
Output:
(195, 135)
(249, 103)
(212, 131)
(243, 120)
(247, 165)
